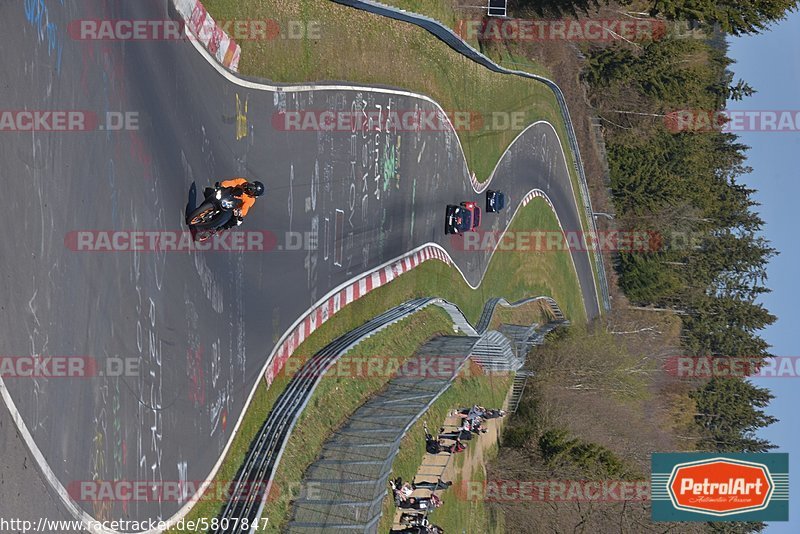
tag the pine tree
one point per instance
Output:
(741, 90)
(736, 17)
(730, 411)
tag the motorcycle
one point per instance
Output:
(214, 213)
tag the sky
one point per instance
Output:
(771, 64)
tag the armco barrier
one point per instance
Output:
(267, 449)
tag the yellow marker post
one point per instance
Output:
(241, 119)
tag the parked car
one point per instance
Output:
(463, 218)
(495, 201)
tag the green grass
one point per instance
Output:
(510, 275)
(336, 398)
(486, 390)
(263, 400)
(359, 47)
(356, 46)
(471, 516)
(441, 10)
(527, 314)
(331, 403)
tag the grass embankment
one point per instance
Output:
(337, 397)
(527, 314)
(511, 275)
(468, 389)
(350, 45)
(506, 53)
(334, 399)
(444, 11)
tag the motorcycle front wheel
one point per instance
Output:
(202, 215)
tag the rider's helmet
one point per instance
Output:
(253, 189)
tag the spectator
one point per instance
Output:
(402, 491)
(421, 503)
(432, 486)
(429, 529)
(480, 411)
(414, 519)
(477, 428)
(460, 434)
(456, 447)
(434, 445)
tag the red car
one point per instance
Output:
(463, 218)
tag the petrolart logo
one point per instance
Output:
(714, 487)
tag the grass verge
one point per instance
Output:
(512, 275)
(527, 314)
(343, 43)
(335, 400)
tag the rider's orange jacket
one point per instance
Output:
(247, 200)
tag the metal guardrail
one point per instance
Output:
(249, 492)
(252, 482)
(455, 42)
(491, 305)
(356, 455)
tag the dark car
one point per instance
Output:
(495, 201)
(463, 218)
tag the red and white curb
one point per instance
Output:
(479, 187)
(359, 287)
(353, 291)
(538, 193)
(208, 32)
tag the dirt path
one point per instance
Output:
(444, 467)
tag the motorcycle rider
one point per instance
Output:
(244, 191)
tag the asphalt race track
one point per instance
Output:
(199, 324)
